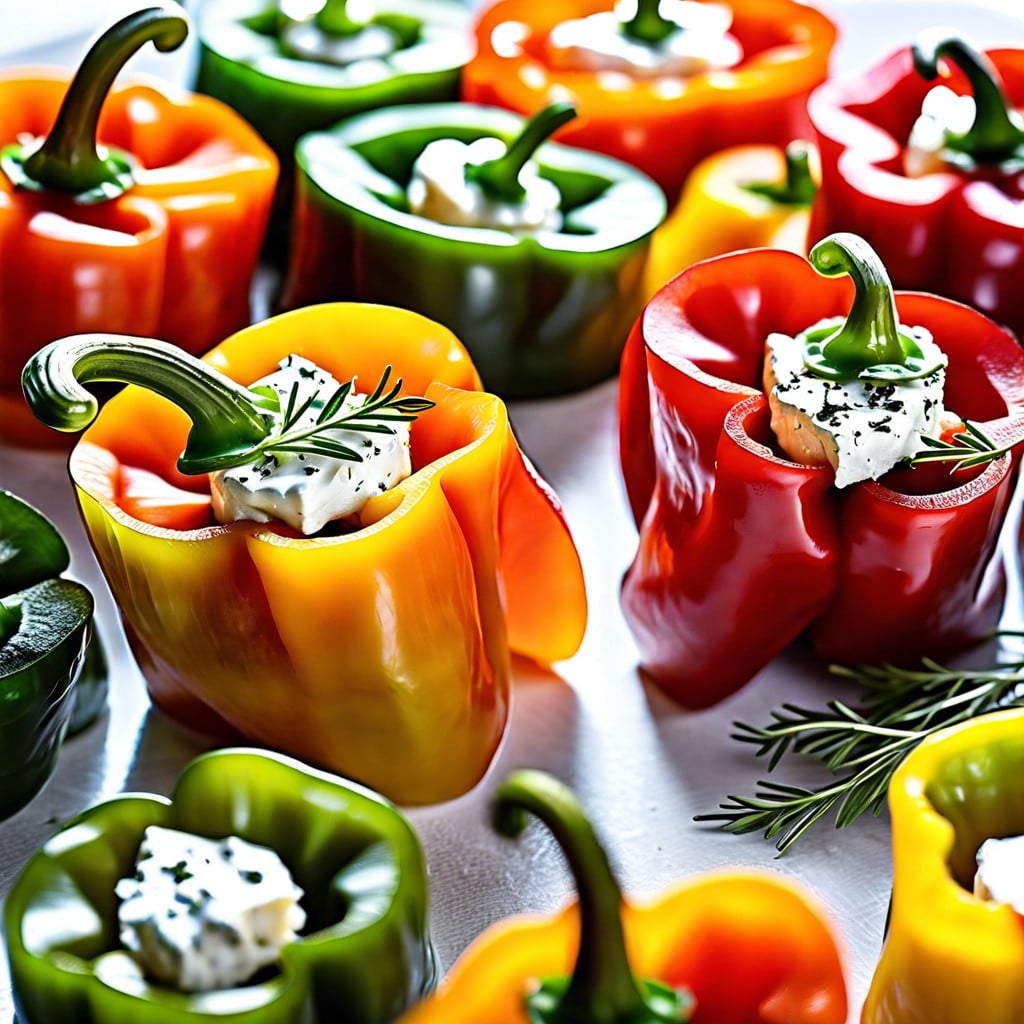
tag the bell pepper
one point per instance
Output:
(949, 955)
(541, 314)
(363, 956)
(740, 549)
(341, 649)
(89, 697)
(45, 623)
(958, 232)
(664, 126)
(726, 947)
(245, 61)
(747, 197)
(138, 212)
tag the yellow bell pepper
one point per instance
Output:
(747, 197)
(382, 653)
(951, 957)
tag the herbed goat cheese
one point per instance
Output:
(307, 491)
(440, 191)
(864, 429)
(597, 43)
(943, 112)
(999, 876)
(203, 914)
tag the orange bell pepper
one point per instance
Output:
(663, 125)
(722, 948)
(155, 231)
(383, 653)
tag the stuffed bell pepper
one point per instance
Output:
(533, 254)
(924, 157)
(324, 561)
(45, 624)
(660, 85)
(722, 948)
(955, 946)
(747, 197)
(122, 209)
(768, 410)
(261, 891)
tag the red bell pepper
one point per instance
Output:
(740, 549)
(958, 232)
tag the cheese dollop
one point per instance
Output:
(999, 874)
(865, 429)
(308, 491)
(440, 191)
(943, 112)
(307, 41)
(203, 914)
(597, 43)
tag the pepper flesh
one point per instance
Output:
(364, 953)
(949, 955)
(173, 256)
(664, 126)
(740, 550)
(341, 649)
(956, 234)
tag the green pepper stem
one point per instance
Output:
(869, 336)
(603, 989)
(226, 421)
(500, 178)
(10, 621)
(69, 161)
(995, 134)
(648, 25)
(799, 188)
(333, 19)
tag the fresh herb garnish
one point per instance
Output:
(861, 748)
(968, 448)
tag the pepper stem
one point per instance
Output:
(10, 621)
(799, 188)
(69, 159)
(648, 25)
(333, 19)
(499, 178)
(226, 419)
(997, 133)
(602, 989)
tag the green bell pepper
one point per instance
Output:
(362, 958)
(245, 60)
(541, 314)
(44, 628)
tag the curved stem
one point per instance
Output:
(647, 25)
(500, 178)
(333, 19)
(799, 188)
(226, 421)
(602, 989)
(69, 160)
(995, 134)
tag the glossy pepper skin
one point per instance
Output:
(746, 197)
(663, 126)
(172, 254)
(950, 956)
(958, 233)
(541, 314)
(45, 624)
(741, 550)
(363, 956)
(343, 649)
(726, 947)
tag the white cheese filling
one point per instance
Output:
(871, 427)
(440, 192)
(999, 876)
(308, 491)
(943, 112)
(203, 914)
(306, 41)
(597, 43)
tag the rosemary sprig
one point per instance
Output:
(383, 405)
(968, 448)
(862, 748)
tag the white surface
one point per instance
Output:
(641, 765)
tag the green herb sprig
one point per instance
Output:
(861, 748)
(969, 447)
